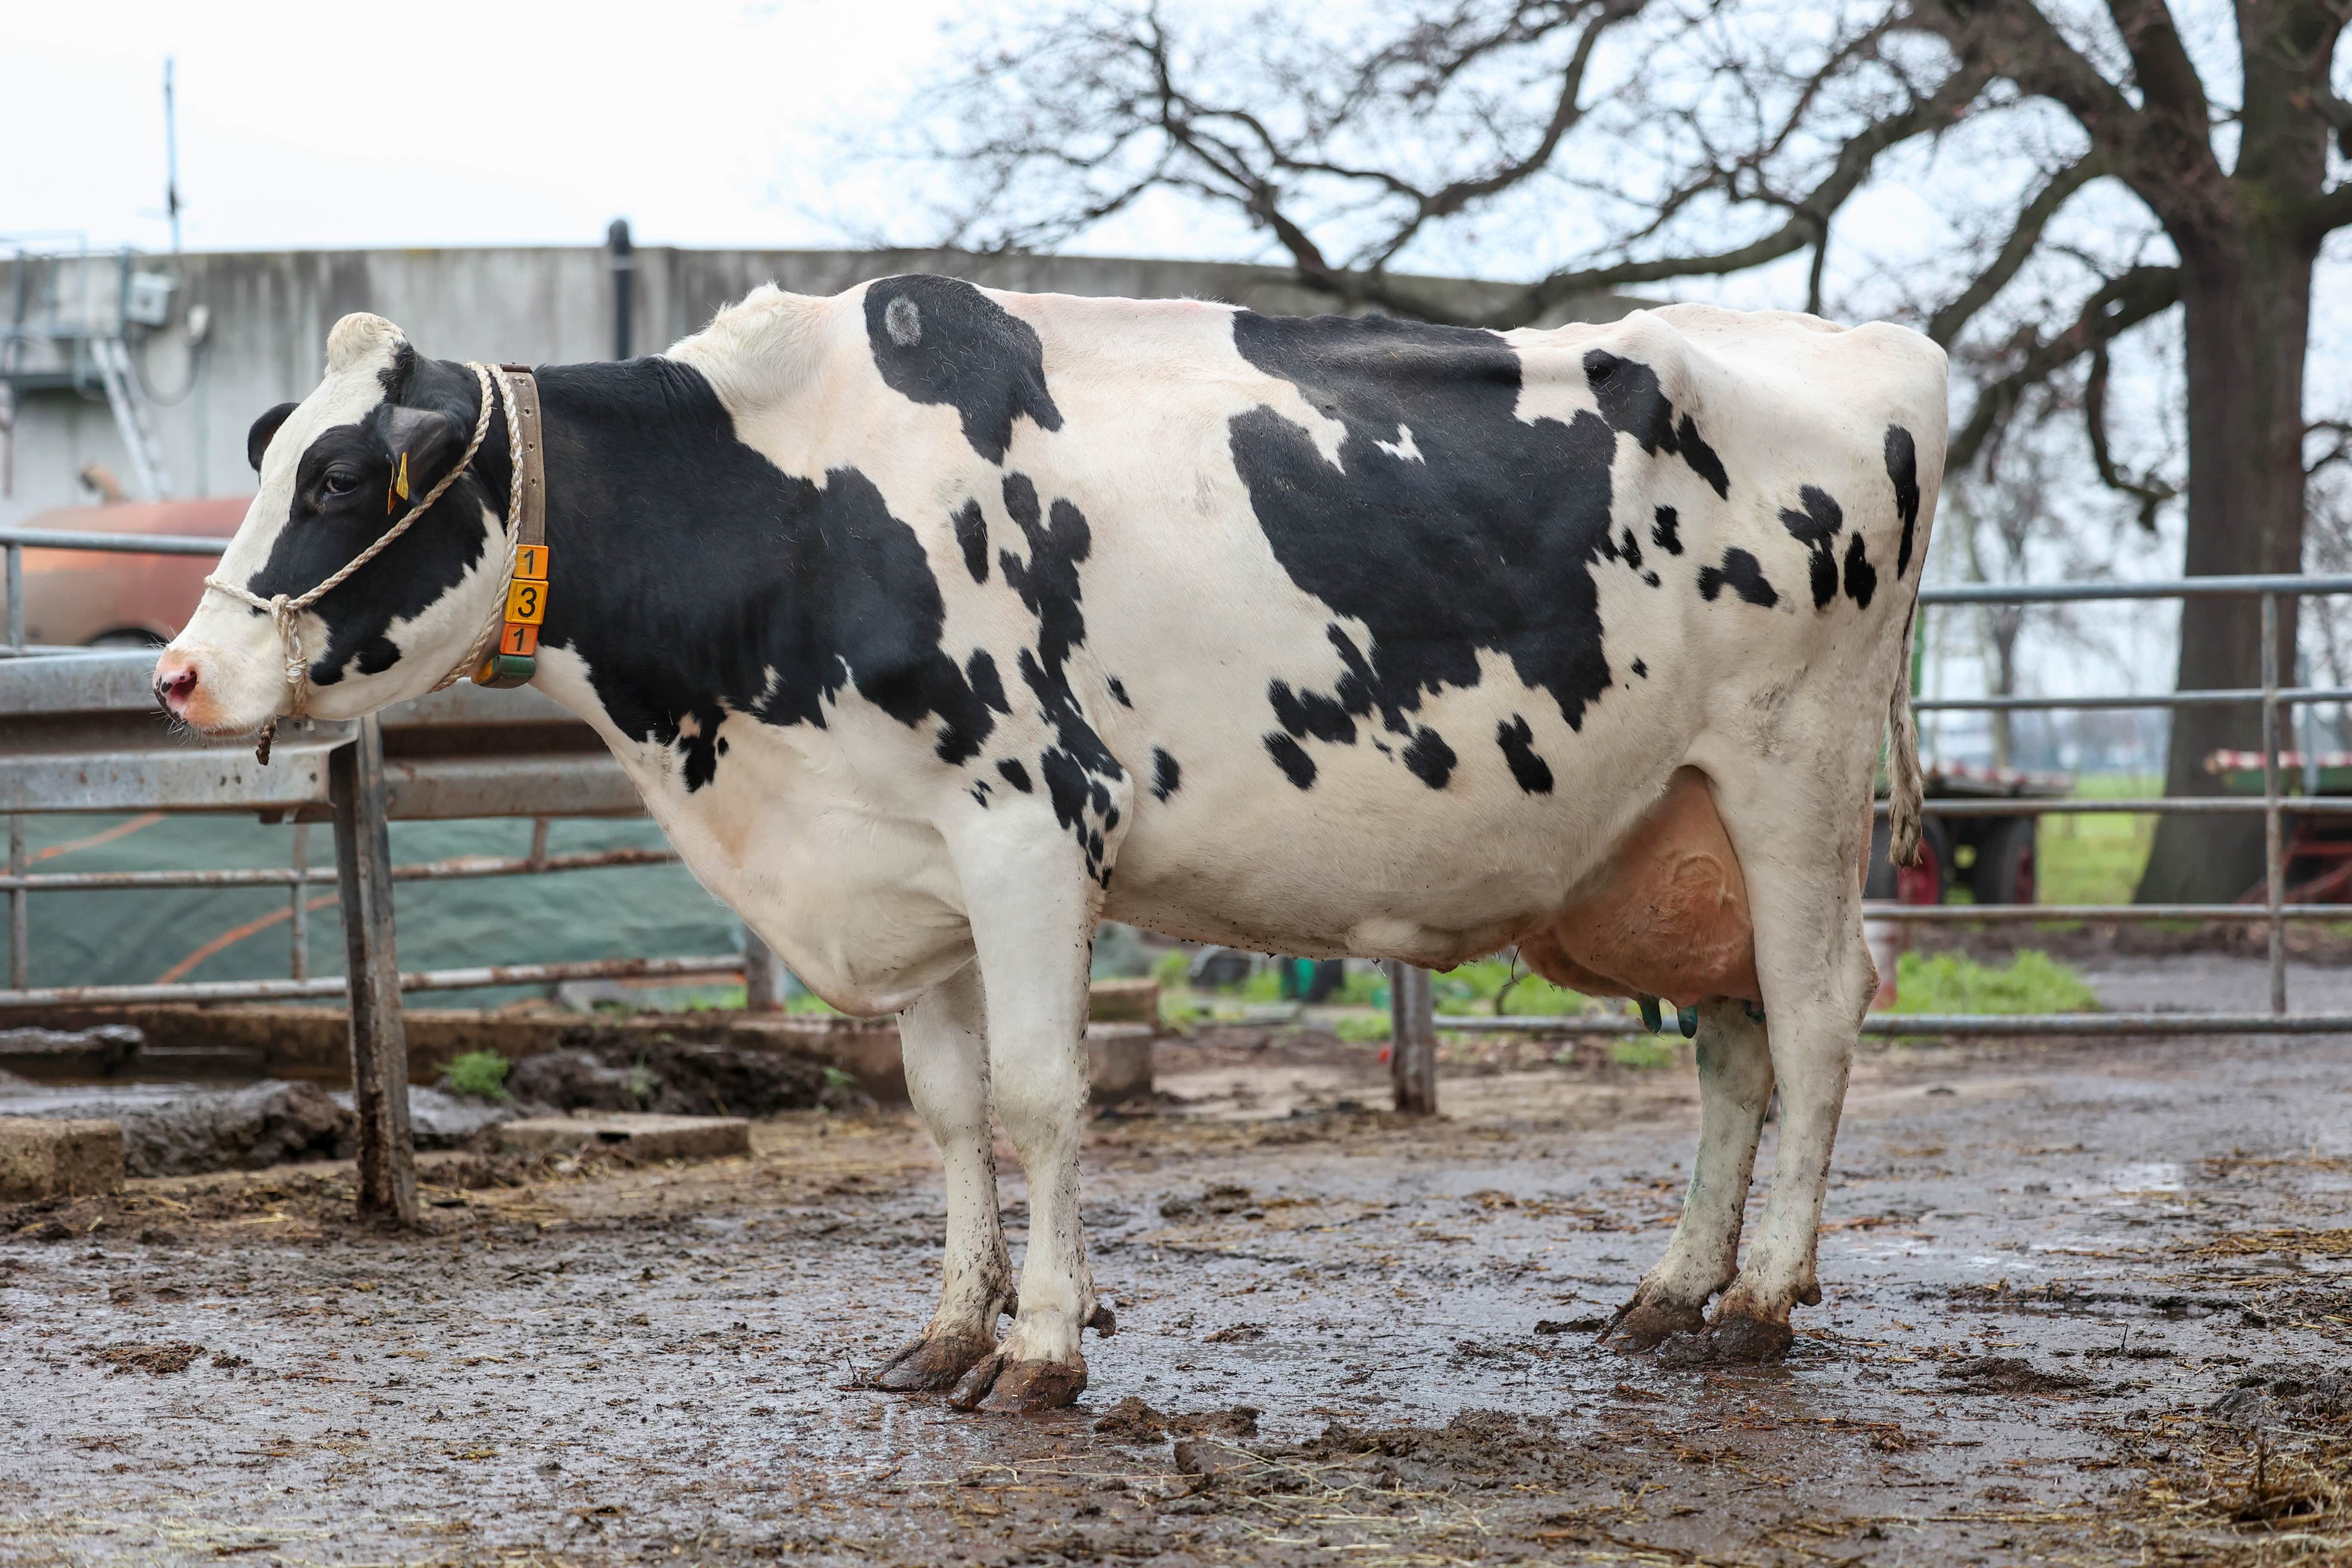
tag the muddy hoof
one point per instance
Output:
(1020, 1388)
(930, 1364)
(1736, 1336)
(1650, 1323)
(1103, 1322)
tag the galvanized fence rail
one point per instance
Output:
(2274, 913)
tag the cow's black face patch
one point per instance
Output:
(1478, 533)
(1903, 467)
(773, 592)
(939, 339)
(340, 506)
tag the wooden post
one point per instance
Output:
(1413, 1039)
(379, 1045)
(764, 978)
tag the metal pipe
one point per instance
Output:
(1958, 1024)
(2273, 834)
(20, 914)
(299, 961)
(2099, 914)
(2175, 804)
(537, 859)
(463, 866)
(332, 986)
(124, 544)
(624, 284)
(2288, 696)
(15, 597)
(2163, 588)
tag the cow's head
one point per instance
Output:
(330, 466)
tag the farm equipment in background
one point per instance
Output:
(1992, 855)
(2318, 848)
(81, 598)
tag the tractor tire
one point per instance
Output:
(2003, 873)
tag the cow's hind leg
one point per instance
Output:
(1798, 844)
(944, 1040)
(1735, 1086)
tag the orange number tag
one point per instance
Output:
(526, 602)
(531, 563)
(520, 636)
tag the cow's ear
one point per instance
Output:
(257, 440)
(422, 446)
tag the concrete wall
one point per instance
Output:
(270, 313)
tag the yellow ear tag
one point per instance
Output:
(400, 480)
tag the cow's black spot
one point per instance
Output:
(972, 535)
(1903, 467)
(1640, 668)
(1311, 713)
(1065, 786)
(939, 339)
(1744, 576)
(1165, 775)
(773, 592)
(1429, 758)
(1058, 541)
(1292, 758)
(1632, 547)
(1861, 576)
(1518, 744)
(980, 669)
(1632, 401)
(1664, 531)
(1702, 458)
(1814, 528)
(1487, 544)
(1015, 775)
(1119, 691)
(723, 745)
(979, 792)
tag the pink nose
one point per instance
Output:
(175, 681)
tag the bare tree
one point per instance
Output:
(2143, 173)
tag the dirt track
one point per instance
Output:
(2043, 1266)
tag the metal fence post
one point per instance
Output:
(299, 917)
(764, 978)
(1413, 1039)
(388, 1154)
(20, 926)
(15, 598)
(2274, 838)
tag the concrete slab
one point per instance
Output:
(645, 1137)
(1118, 1061)
(1124, 1001)
(67, 1159)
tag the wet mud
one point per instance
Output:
(2082, 1304)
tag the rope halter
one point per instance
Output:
(283, 609)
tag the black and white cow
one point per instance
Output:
(936, 624)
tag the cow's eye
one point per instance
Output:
(340, 482)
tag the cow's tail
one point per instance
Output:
(1904, 787)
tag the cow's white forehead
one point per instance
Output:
(360, 349)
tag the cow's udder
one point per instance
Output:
(1670, 919)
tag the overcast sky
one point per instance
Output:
(435, 122)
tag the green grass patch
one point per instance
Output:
(2096, 859)
(1474, 988)
(482, 1074)
(1642, 1053)
(2033, 982)
(1362, 1028)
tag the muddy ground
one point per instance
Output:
(2085, 1304)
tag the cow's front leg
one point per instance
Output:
(1735, 1086)
(1032, 915)
(943, 1039)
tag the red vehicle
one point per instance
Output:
(79, 598)
(1999, 849)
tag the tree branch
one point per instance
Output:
(2150, 492)
(2016, 250)
(2119, 305)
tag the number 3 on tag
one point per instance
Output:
(526, 602)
